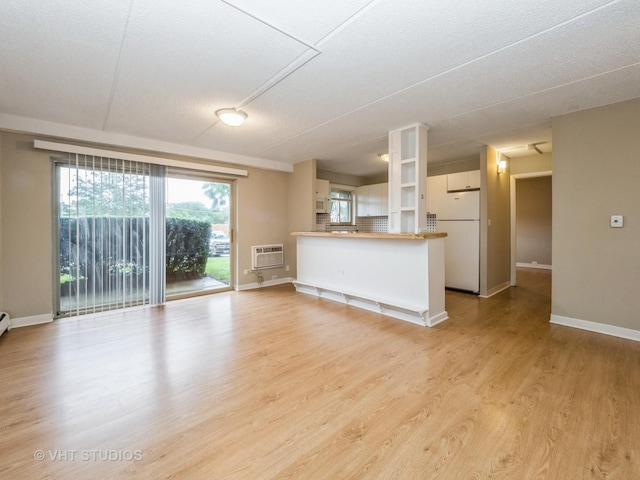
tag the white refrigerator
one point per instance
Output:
(459, 217)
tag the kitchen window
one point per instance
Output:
(341, 206)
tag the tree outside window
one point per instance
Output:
(341, 206)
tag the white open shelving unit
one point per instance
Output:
(408, 179)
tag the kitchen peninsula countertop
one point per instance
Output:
(392, 236)
(400, 275)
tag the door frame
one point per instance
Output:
(512, 189)
(232, 182)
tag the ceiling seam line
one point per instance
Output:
(445, 72)
(477, 138)
(348, 21)
(279, 76)
(296, 64)
(544, 90)
(268, 85)
(116, 73)
(285, 72)
(271, 25)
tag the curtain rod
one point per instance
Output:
(68, 148)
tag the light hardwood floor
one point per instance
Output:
(272, 384)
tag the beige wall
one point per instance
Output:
(1, 229)
(26, 221)
(596, 269)
(533, 220)
(342, 178)
(531, 164)
(301, 212)
(495, 225)
(261, 209)
(27, 259)
(461, 165)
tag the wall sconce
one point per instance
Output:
(501, 165)
(384, 157)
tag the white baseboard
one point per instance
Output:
(497, 289)
(438, 318)
(32, 320)
(266, 283)
(5, 323)
(420, 315)
(534, 265)
(596, 327)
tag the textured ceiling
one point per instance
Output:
(318, 79)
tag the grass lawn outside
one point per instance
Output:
(219, 268)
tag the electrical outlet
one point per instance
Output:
(247, 271)
(275, 277)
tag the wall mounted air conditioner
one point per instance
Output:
(267, 256)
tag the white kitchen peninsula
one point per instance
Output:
(399, 275)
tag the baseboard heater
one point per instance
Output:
(267, 256)
(4, 322)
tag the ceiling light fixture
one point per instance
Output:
(384, 157)
(231, 116)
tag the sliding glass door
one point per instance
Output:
(198, 235)
(129, 233)
(102, 234)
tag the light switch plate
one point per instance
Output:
(617, 221)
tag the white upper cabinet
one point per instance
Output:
(323, 189)
(463, 181)
(372, 200)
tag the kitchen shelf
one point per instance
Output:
(407, 179)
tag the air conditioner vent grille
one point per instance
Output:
(267, 256)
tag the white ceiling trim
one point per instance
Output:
(68, 132)
(134, 157)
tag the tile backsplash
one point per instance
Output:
(363, 224)
(366, 224)
(372, 224)
(431, 226)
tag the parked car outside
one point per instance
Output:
(219, 244)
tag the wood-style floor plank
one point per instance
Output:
(271, 384)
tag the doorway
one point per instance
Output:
(130, 233)
(530, 222)
(198, 231)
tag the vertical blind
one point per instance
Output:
(110, 233)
